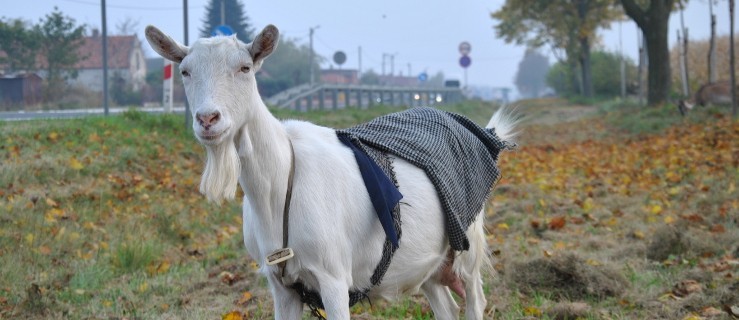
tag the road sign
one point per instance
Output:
(339, 57)
(465, 48)
(465, 61)
(167, 86)
(222, 30)
(423, 77)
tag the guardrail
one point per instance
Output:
(338, 96)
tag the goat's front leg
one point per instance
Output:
(335, 297)
(287, 302)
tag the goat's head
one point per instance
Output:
(218, 75)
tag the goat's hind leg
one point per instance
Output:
(440, 299)
(287, 302)
(469, 265)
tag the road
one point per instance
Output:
(74, 113)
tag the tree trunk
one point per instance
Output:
(654, 23)
(731, 59)
(587, 79)
(642, 64)
(574, 78)
(658, 52)
(712, 49)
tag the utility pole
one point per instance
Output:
(223, 12)
(686, 88)
(105, 59)
(188, 116)
(683, 67)
(712, 47)
(731, 58)
(312, 54)
(623, 62)
(359, 68)
(409, 70)
(392, 65)
(383, 63)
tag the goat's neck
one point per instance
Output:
(266, 155)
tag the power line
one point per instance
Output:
(126, 7)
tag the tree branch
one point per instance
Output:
(634, 11)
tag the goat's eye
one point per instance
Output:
(185, 73)
(245, 69)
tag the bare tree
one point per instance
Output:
(731, 58)
(128, 26)
(712, 47)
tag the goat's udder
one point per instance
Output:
(451, 279)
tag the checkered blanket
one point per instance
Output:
(459, 157)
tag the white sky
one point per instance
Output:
(422, 33)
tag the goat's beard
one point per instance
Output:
(221, 174)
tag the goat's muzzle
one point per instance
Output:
(207, 120)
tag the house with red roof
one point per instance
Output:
(126, 62)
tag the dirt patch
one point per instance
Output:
(228, 287)
(568, 310)
(567, 277)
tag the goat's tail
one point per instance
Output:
(504, 121)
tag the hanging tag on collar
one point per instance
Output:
(279, 255)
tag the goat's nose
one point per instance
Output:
(208, 119)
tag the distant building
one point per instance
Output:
(19, 90)
(398, 81)
(126, 63)
(339, 76)
(125, 60)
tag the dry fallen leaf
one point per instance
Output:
(557, 223)
(711, 312)
(686, 287)
(44, 250)
(94, 137)
(51, 202)
(233, 315)
(75, 164)
(157, 268)
(229, 278)
(718, 228)
(532, 311)
(244, 298)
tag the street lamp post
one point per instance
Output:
(312, 54)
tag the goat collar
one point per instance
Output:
(280, 256)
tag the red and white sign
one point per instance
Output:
(168, 70)
(168, 86)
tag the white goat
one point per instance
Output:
(335, 233)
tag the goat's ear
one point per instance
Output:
(164, 45)
(264, 44)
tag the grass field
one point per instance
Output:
(603, 212)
